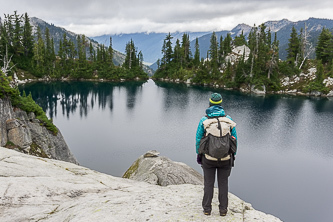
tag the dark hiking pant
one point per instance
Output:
(223, 169)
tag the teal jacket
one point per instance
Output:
(212, 111)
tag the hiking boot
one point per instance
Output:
(223, 212)
(207, 213)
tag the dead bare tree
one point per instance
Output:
(306, 46)
(6, 63)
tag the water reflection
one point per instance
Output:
(81, 95)
(175, 95)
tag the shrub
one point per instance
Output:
(25, 103)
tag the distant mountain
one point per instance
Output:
(150, 44)
(314, 28)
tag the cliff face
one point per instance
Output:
(37, 189)
(23, 132)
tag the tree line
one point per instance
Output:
(260, 68)
(35, 53)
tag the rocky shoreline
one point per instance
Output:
(288, 83)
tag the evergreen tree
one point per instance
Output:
(92, 54)
(82, 60)
(253, 45)
(39, 54)
(186, 49)
(240, 40)
(8, 33)
(140, 58)
(197, 53)
(324, 49)
(130, 60)
(213, 49)
(227, 44)
(110, 54)
(178, 55)
(48, 51)
(3, 38)
(27, 37)
(168, 49)
(294, 49)
(221, 54)
(81, 49)
(17, 36)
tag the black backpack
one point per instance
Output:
(218, 146)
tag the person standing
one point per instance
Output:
(210, 165)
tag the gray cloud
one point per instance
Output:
(125, 16)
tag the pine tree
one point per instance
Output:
(110, 54)
(39, 53)
(227, 44)
(17, 36)
(168, 48)
(140, 58)
(240, 40)
(186, 49)
(3, 38)
(178, 55)
(49, 50)
(9, 33)
(28, 41)
(253, 45)
(324, 49)
(221, 54)
(213, 49)
(294, 49)
(91, 53)
(130, 60)
(197, 53)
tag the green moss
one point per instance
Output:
(132, 169)
(37, 151)
(11, 145)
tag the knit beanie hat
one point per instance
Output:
(215, 99)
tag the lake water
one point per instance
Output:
(284, 162)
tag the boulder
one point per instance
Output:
(258, 91)
(237, 53)
(160, 170)
(330, 94)
(39, 189)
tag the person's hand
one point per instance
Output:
(233, 137)
(199, 159)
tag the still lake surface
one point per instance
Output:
(284, 163)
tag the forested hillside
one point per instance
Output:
(48, 51)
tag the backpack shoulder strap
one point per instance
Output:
(219, 126)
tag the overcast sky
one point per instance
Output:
(98, 17)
